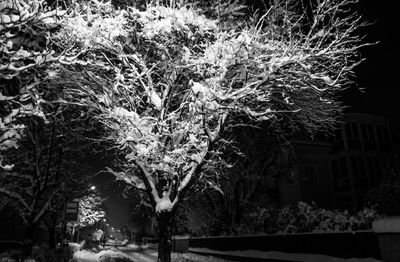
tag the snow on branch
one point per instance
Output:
(28, 61)
(90, 210)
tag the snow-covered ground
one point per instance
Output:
(150, 255)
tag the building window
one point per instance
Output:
(371, 167)
(374, 169)
(357, 166)
(361, 164)
(348, 130)
(378, 168)
(379, 132)
(343, 167)
(354, 166)
(361, 184)
(351, 130)
(370, 145)
(345, 202)
(342, 185)
(385, 147)
(335, 169)
(385, 133)
(364, 131)
(370, 132)
(338, 133)
(354, 130)
(354, 144)
(338, 146)
(367, 131)
(360, 198)
(309, 174)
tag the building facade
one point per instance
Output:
(339, 171)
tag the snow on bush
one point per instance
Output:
(102, 256)
(298, 218)
(307, 218)
(75, 247)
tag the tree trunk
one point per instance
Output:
(28, 241)
(237, 219)
(52, 237)
(165, 237)
(51, 228)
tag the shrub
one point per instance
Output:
(305, 218)
(114, 258)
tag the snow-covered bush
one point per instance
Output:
(114, 258)
(386, 197)
(310, 218)
(103, 256)
(305, 218)
(5, 257)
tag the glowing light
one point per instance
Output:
(92, 187)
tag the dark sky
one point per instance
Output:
(379, 72)
(118, 207)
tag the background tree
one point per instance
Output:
(258, 162)
(386, 196)
(36, 137)
(263, 158)
(90, 210)
(141, 216)
(28, 55)
(166, 82)
(49, 169)
(90, 219)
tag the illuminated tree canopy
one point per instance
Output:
(165, 81)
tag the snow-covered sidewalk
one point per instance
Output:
(281, 256)
(145, 254)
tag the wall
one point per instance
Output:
(337, 244)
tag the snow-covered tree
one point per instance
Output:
(46, 166)
(168, 81)
(261, 161)
(28, 58)
(90, 210)
(39, 137)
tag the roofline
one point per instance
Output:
(364, 116)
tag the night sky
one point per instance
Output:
(379, 72)
(376, 75)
